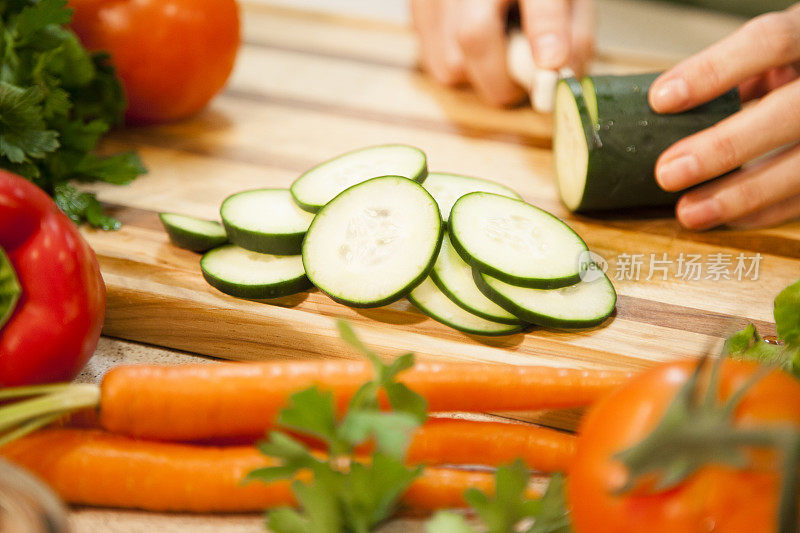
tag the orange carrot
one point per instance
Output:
(466, 442)
(447, 441)
(92, 467)
(238, 399)
(443, 488)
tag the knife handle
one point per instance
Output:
(540, 84)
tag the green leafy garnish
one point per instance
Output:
(346, 493)
(552, 515)
(748, 344)
(510, 509)
(509, 506)
(9, 288)
(787, 315)
(56, 101)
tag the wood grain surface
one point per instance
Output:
(308, 87)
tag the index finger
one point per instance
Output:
(547, 25)
(768, 41)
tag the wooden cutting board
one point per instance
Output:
(308, 87)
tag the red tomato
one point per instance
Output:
(172, 56)
(715, 498)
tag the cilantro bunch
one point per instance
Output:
(56, 101)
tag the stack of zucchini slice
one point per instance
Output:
(372, 226)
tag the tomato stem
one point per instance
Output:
(787, 509)
(694, 433)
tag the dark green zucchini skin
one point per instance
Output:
(279, 244)
(629, 137)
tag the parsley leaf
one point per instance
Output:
(23, 133)
(401, 398)
(346, 493)
(389, 430)
(552, 515)
(81, 206)
(312, 413)
(37, 17)
(56, 101)
(787, 315)
(748, 344)
(509, 506)
(510, 509)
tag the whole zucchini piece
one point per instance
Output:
(607, 140)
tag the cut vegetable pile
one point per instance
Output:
(372, 226)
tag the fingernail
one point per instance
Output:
(700, 215)
(677, 174)
(671, 95)
(550, 51)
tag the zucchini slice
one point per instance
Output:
(245, 274)
(447, 188)
(454, 277)
(265, 221)
(433, 302)
(583, 305)
(193, 233)
(318, 186)
(374, 242)
(515, 241)
(607, 140)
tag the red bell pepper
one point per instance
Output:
(55, 323)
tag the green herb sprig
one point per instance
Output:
(510, 510)
(346, 493)
(56, 101)
(748, 344)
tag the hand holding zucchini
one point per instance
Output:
(607, 140)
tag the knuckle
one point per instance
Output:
(584, 42)
(502, 99)
(744, 198)
(449, 75)
(548, 15)
(708, 70)
(472, 38)
(726, 150)
(776, 34)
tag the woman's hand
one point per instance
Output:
(763, 60)
(464, 40)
